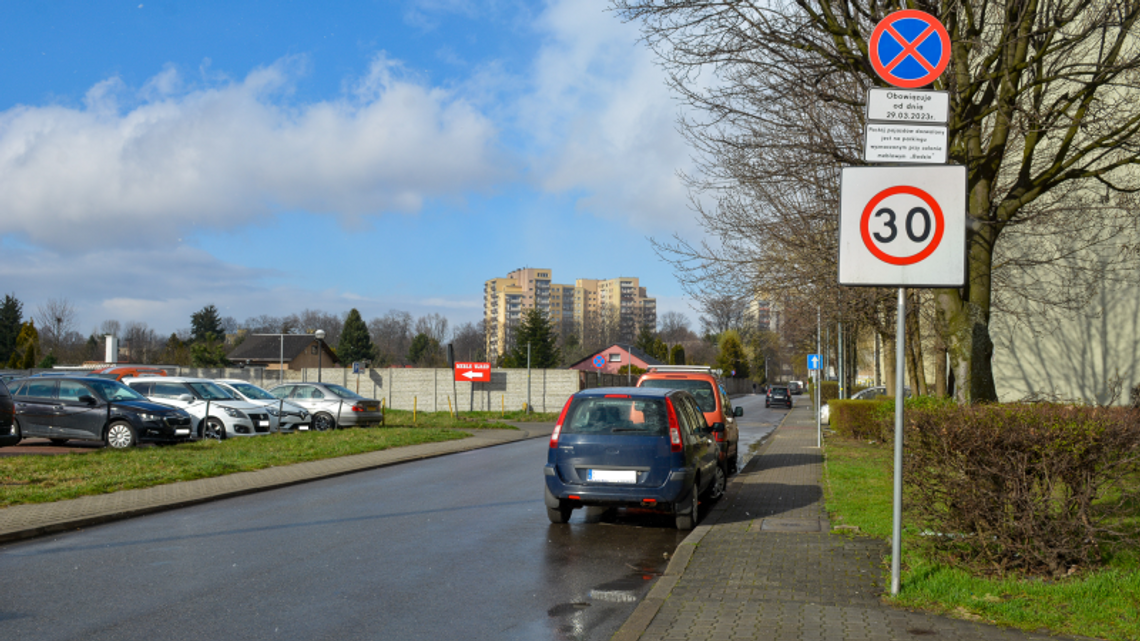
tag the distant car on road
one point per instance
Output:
(93, 409)
(778, 395)
(863, 395)
(331, 405)
(638, 447)
(796, 387)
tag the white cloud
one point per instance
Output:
(222, 156)
(604, 119)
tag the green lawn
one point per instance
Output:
(1104, 603)
(42, 479)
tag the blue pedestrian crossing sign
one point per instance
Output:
(813, 362)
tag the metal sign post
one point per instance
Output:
(900, 397)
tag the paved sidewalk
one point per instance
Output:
(763, 566)
(26, 521)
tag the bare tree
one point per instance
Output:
(1042, 115)
(311, 320)
(433, 326)
(141, 342)
(392, 336)
(56, 318)
(674, 328)
(721, 313)
(469, 342)
(110, 327)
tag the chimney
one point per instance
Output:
(112, 350)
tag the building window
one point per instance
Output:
(615, 357)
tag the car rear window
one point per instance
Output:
(617, 416)
(701, 390)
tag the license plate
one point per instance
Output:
(371, 408)
(612, 476)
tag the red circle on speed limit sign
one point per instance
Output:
(922, 225)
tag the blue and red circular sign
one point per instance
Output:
(599, 361)
(909, 48)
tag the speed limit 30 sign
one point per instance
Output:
(903, 226)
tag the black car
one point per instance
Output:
(779, 395)
(637, 447)
(8, 435)
(93, 409)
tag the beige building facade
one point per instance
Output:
(595, 310)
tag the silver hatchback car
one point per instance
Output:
(331, 405)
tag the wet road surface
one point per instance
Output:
(456, 547)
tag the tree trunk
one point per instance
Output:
(914, 346)
(964, 316)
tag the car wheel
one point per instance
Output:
(323, 422)
(214, 429)
(560, 514)
(58, 441)
(685, 512)
(716, 488)
(16, 431)
(120, 435)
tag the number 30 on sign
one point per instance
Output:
(903, 226)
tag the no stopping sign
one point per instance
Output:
(903, 226)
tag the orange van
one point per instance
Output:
(703, 384)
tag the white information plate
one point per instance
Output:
(905, 143)
(903, 226)
(903, 105)
(612, 476)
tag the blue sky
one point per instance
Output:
(268, 157)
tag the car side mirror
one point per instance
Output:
(87, 399)
(186, 398)
(738, 411)
(716, 428)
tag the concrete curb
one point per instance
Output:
(643, 615)
(20, 522)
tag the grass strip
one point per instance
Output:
(43, 479)
(1104, 603)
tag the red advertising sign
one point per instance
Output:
(473, 372)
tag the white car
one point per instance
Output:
(862, 395)
(283, 416)
(218, 414)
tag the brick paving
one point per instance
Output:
(763, 565)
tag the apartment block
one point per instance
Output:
(595, 310)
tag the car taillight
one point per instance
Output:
(358, 408)
(674, 428)
(720, 437)
(558, 425)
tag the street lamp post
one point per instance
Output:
(320, 334)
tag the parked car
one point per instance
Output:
(633, 447)
(862, 395)
(711, 397)
(283, 416)
(8, 433)
(778, 395)
(119, 372)
(331, 405)
(85, 408)
(218, 414)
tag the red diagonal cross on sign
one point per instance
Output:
(894, 71)
(910, 48)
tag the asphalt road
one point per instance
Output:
(457, 547)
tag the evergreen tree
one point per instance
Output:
(645, 338)
(539, 333)
(732, 359)
(27, 344)
(677, 355)
(424, 350)
(355, 342)
(210, 352)
(660, 350)
(205, 322)
(11, 321)
(176, 352)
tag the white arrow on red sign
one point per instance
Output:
(473, 372)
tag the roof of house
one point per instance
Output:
(641, 355)
(271, 347)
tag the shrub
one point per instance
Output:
(1037, 489)
(858, 419)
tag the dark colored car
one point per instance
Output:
(93, 409)
(8, 434)
(632, 447)
(779, 395)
